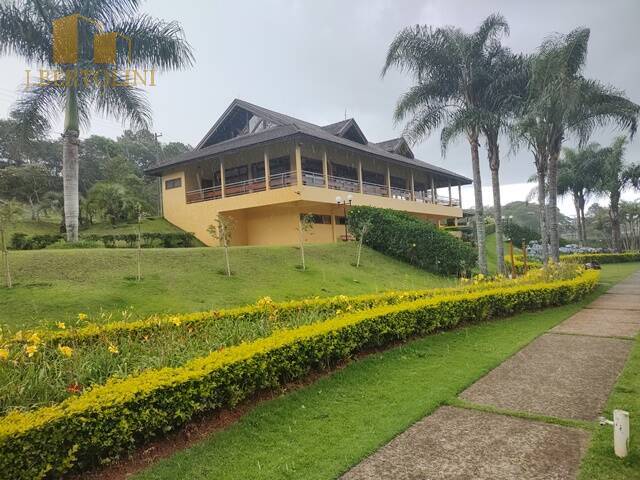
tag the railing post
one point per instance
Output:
(360, 176)
(298, 161)
(413, 188)
(267, 171)
(388, 181)
(222, 194)
(325, 168)
(450, 199)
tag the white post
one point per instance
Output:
(621, 433)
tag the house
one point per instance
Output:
(264, 170)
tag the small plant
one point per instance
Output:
(363, 231)
(222, 231)
(9, 212)
(139, 242)
(305, 224)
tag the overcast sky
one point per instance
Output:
(316, 60)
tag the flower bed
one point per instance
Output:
(109, 420)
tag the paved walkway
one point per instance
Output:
(566, 373)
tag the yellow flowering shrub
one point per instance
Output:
(106, 421)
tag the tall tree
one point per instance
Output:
(449, 68)
(562, 101)
(26, 30)
(578, 175)
(616, 177)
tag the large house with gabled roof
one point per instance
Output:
(264, 170)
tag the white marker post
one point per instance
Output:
(620, 432)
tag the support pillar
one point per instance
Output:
(298, 162)
(222, 178)
(460, 195)
(413, 188)
(267, 172)
(360, 176)
(434, 195)
(450, 199)
(388, 181)
(325, 168)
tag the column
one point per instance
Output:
(460, 195)
(298, 162)
(450, 199)
(413, 188)
(434, 195)
(388, 181)
(267, 171)
(360, 176)
(221, 177)
(325, 168)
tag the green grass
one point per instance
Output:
(55, 285)
(320, 431)
(600, 461)
(492, 256)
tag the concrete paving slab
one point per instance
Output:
(456, 443)
(625, 288)
(603, 323)
(566, 376)
(616, 301)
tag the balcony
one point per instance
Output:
(318, 180)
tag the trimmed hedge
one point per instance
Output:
(412, 240)
(602, 257)
(22, 241)
(109, 420)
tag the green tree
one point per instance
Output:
(222, 231)
(561, 101)
(616, 177)
(305, 224)
(449, 68)
(578, 175)
(28, 184)
(9, 213)
(26, 30)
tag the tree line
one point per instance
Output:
(112, 185)
(470, 85)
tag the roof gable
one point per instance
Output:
(348, 129)
(397, 145)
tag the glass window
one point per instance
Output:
(173, 183)
(341, 220)
(373, 177)
(257, 170)
(344, 171)
(311, 165)
(279, 165)
(236, 174)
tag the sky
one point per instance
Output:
(321, 60)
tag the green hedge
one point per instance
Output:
(107, 421)
(22, 241)
(415, 241)
(602, 257)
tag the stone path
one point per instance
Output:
(566, 373)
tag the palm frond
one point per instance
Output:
(123, 103)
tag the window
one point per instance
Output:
(236, 174)
(344, 171)
(279, 165)
(398, 182)
(257, 170)
(173, 183)
(373, 177)
(311, 165)
(341, 220)
(318, 219)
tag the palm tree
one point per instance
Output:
(616, 177)
(26, 30)
(499, 104)
(449, 67)
(560, 102)
(578, 176)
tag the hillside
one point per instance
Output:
(56, 285)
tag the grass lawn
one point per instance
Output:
(492, 256)
(600, 462)
(55, 285)
(320, 431)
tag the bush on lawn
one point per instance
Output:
(602, 257)
(415, 241)
(107, 421)
(22, 241)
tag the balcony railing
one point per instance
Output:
(344, 184)
(314, 179)
(375, 189)
(204, 194)
(281, 180)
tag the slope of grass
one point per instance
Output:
(320, 431)
(55, 285)
(492, 257)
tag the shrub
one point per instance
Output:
(415, 241)
(109, 420)
(602, 257)
(20, 241)
(519, 233)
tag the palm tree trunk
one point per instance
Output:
(576, 204)
(583, 220)
(479, 209)
(494, 164)
(553, 206)
(70, 166)
(542, 195)
(614, 215)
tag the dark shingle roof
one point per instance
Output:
(288, 127)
